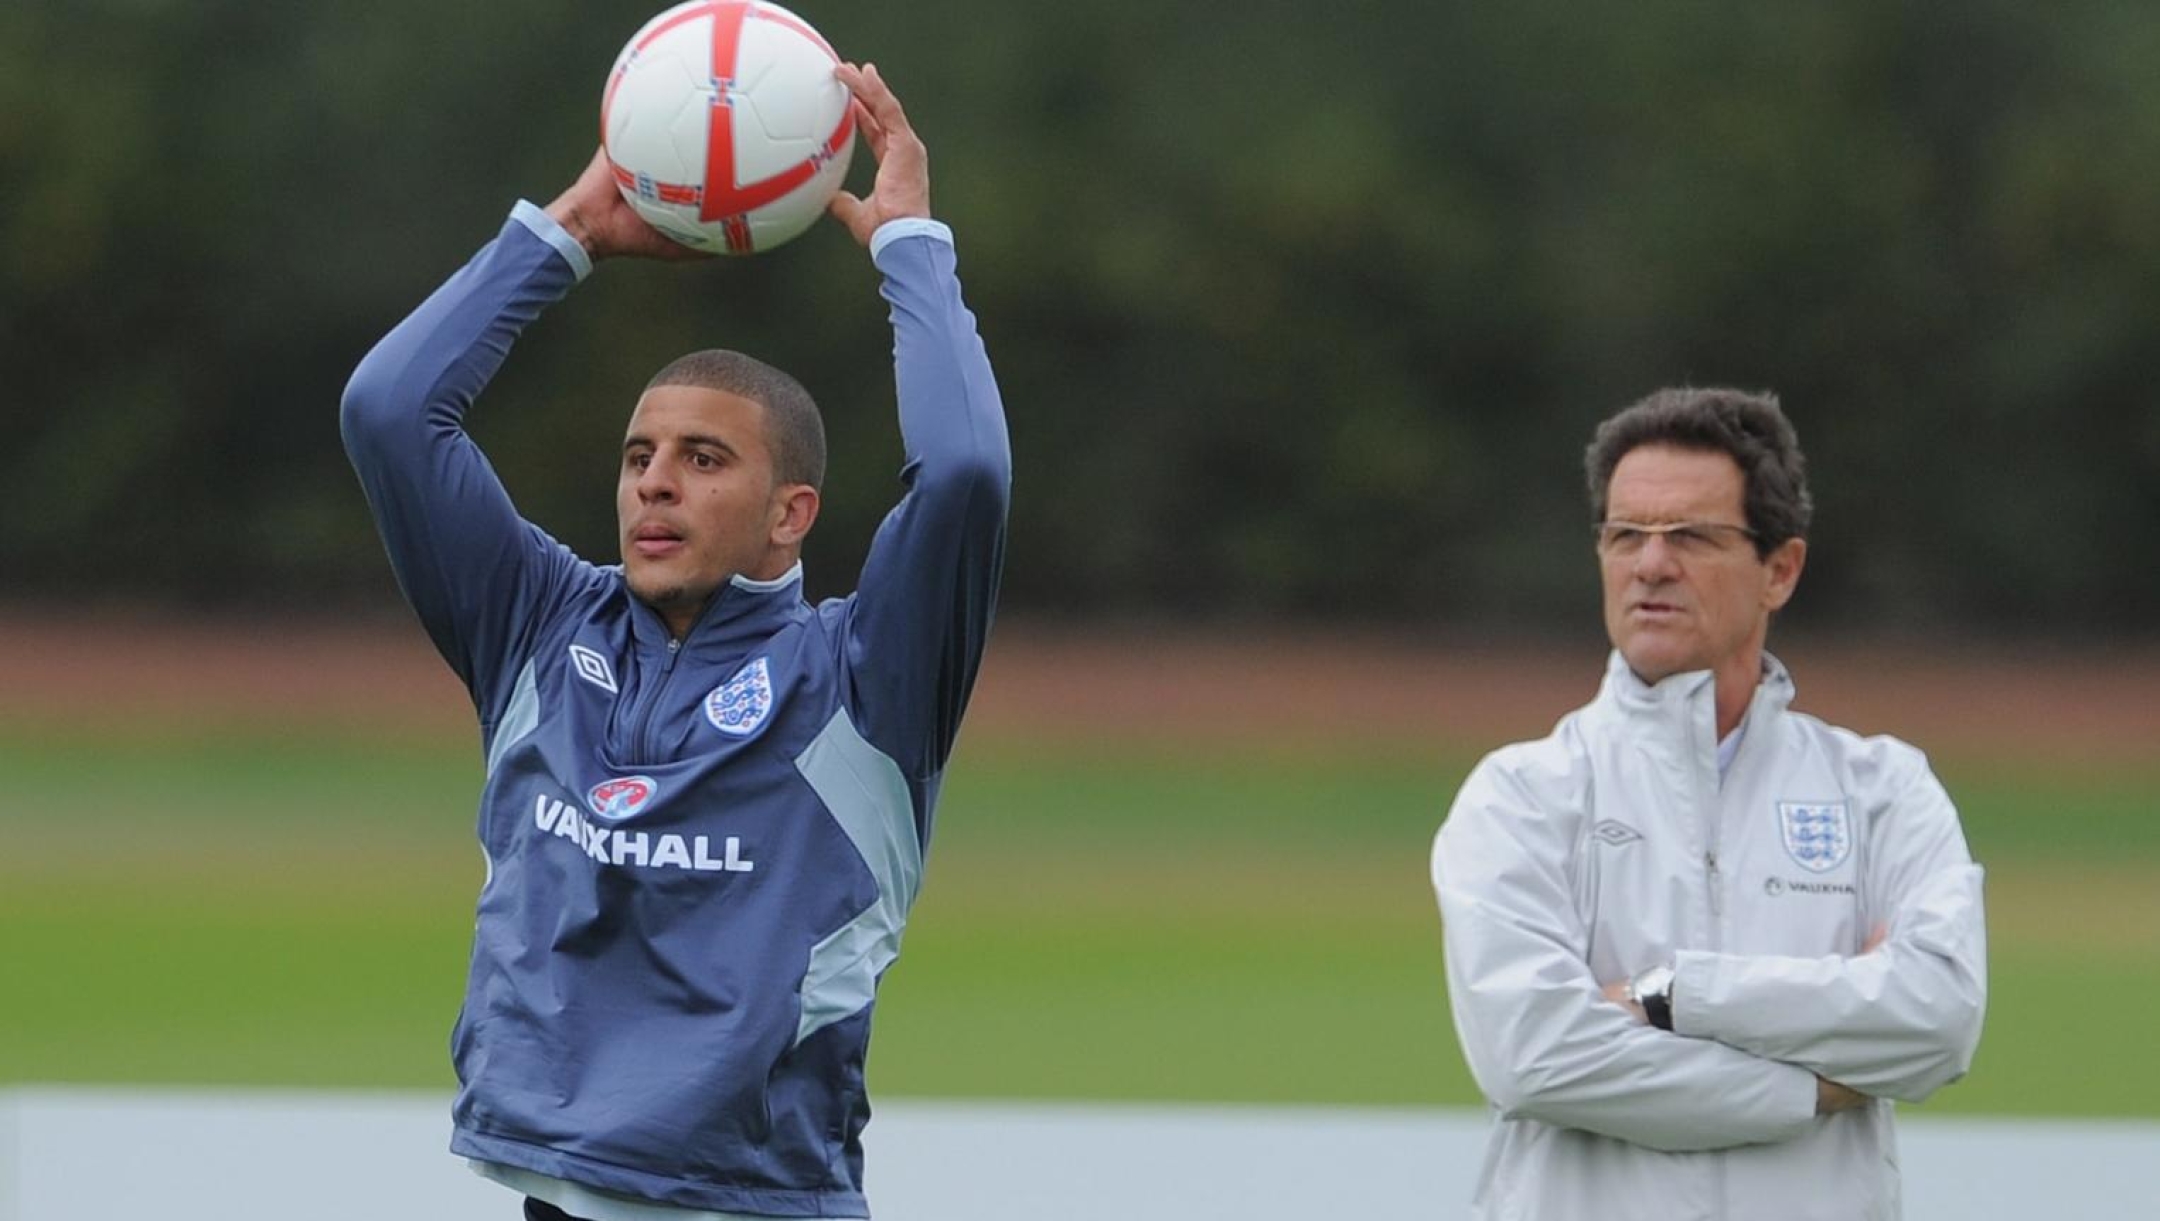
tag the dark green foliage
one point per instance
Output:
(1295, 310)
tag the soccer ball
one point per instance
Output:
(725, 125)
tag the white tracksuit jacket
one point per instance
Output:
(1613, 846)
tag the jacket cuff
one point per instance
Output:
(908, 226)
(1694, 977)
(544, 227)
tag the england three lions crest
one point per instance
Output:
(1817, 834)
(739, 706)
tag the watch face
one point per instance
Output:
(1657, 981)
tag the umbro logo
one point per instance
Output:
(593, 668)
(1613, 833)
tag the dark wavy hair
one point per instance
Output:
(1750, 428)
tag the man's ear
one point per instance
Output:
(1785, 562)
(796, 509)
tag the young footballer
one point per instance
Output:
(706, 800)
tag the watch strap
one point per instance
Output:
(1657, 1006)
(1653, 991)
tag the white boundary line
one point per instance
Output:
(84, 1154)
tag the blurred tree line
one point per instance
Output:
(1297, 311)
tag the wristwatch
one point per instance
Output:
(1653, 991)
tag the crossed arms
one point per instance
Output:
(1761, 1044)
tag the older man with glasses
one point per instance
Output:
(1699, 943)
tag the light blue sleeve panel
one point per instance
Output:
(921, 613)
(520, 716)
(869, 799)
(475, 572)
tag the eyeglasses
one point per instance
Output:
(1689, 539)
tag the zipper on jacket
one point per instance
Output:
(649, 751)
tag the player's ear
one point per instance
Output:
(795, 509)
(1785, 562)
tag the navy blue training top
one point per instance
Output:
(700, 853)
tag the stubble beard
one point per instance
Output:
(676, 596)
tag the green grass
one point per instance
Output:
(287, 905)
(232, 983)
(2025, 809)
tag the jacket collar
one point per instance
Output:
(1686, 704)
(744, 612)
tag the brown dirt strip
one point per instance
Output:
(2089, 706)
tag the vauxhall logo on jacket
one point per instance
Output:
(613, 801)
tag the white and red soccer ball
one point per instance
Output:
(726, 126)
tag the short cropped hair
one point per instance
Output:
(793, 427)
(1750, 428)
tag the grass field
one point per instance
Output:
(290, 904)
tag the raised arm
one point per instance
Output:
(472, 568)
(921, 615)
(1899, 1021)
(464, 558)
(1541, 1039)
